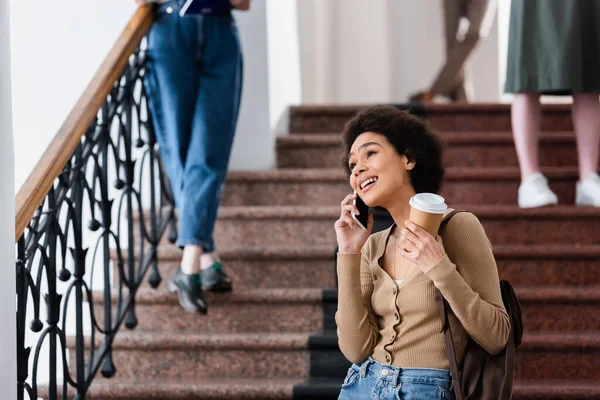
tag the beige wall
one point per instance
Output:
(356, 51)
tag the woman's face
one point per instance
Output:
(378, 172)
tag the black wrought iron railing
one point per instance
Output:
(95, 233)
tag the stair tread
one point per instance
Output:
(123, 388)
(272, 389)
(266, 382)
(482, 211)
(146, 295)
(284, 175)
(561, 340)
(167, 252)
(525, 293)
(452, 138)
(213, 388)
(546, 294)
(149, 340)
(471, 108)
(540, 340)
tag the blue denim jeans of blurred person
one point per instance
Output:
(372, 380)
(194, 82)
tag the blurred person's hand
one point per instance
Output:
(142, 2)
(242, 5)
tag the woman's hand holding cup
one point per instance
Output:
(351, 237)
(420, 247)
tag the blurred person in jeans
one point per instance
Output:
(194, 81)
(450, 80)
(554, 48)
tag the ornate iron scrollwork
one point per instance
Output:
(112, 198)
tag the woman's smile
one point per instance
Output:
(367, 183)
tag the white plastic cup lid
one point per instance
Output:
(429, 203)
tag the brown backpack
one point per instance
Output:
(484, 376)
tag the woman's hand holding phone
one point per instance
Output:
(351, 237)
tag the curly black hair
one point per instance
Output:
(410, 135)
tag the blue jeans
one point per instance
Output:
(374, 381)
(194, 82)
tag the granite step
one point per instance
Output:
(328, 389)
(559, 355)
(329, 186)
(445, 117)
(314, 225)
(547, 309)
(542, 355)
(142, 357)
(241, 311)
(190, 389)
(464, 149)
(294, 389)
(313, 266)
(560, 309)
(554, 265)
(147, 356)
(261, 267)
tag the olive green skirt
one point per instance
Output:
(554, 47)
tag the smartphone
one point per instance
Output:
(363, 218)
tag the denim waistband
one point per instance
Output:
(175, 5)
(397, 375)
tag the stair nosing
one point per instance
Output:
(284, 387)
(532, 294)
(339, 175)
(167, 252)
(457, 108)
(466, 138)
(560, 341)
(332, 212)
(249, 253)
(303, 296)
(149, 341)
(558, 294)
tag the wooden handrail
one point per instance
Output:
(61, 149)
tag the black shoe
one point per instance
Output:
(189, 289)
(215, 279)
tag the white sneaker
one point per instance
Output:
(588, 191)
(534, 192)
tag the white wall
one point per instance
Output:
(253, 147)
(285, 86)
(8, 344)
(55, 52)
(353, 51)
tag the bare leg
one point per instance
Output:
(190, 261)
(526, 115)
(208, 259)
(586, 121)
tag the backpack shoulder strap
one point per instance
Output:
(450, 215)
(449, 344)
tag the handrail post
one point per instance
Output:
(8, 335)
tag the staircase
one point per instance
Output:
(274, 336)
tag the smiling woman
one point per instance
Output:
(388, 320)
(402, 132)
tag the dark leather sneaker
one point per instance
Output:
(215, 279)
(189, 289)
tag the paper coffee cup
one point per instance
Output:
(427, 211)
